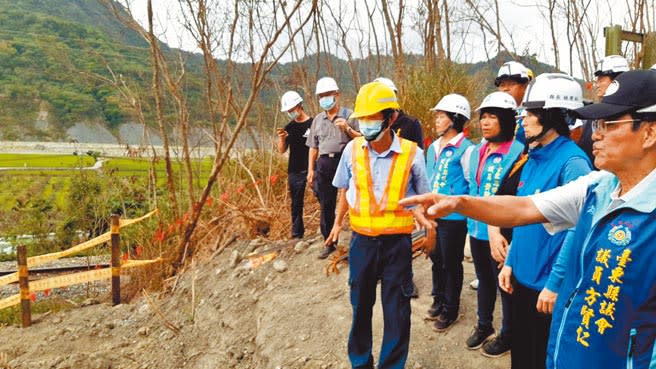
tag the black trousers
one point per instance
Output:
(326, 193)
(530, 330)
(388, 259)
(488, 284)
(447, 264)
(297, 182)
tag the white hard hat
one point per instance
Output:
(611, 64)
(289, 100)
(326, 84)
(387, 82)
(553, 90)
(454, 103)
(515, 71)
(653, 67)
(498, 99)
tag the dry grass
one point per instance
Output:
(425, 88)
(250, 199)
(4, 362)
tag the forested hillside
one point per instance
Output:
(49, 59)
(56, 57)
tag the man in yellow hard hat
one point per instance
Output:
(374, 172)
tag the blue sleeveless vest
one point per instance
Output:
(445, 173)
(533, 250)
(494, 169)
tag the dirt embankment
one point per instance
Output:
(285, 314)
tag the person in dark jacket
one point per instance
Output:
(406, 126)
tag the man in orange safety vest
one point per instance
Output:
(374, 172)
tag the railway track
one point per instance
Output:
(60, 270)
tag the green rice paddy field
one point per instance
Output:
(48, 177)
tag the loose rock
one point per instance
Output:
(279, 265)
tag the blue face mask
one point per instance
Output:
(371, 129)
(327, 102)
(293, 115)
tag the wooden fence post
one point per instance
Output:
(23, 283)
(613, 40)
(649, 50)
(116, 260)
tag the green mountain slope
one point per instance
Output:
(54, 55)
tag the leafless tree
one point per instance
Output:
(343, 27)
(241, 30)
(395, 32)
(429, 26)
(486, 26)
(156, 59)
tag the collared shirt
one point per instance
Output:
(380, 166)
(326, 137)
(562, 206)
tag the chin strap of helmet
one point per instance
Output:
(442, 133)
(531, 139)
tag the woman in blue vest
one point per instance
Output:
(489, 163)
(553, 160)
(446, 161)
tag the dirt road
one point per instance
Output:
(220, 316)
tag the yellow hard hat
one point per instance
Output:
(372, 98)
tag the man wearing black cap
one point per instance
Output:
(604, 316)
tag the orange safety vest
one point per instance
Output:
(385, 217)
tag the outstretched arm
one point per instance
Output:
(502, 211)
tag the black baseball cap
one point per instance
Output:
(628, 93)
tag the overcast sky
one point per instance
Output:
(523, 22)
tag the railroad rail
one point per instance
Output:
(58, 270)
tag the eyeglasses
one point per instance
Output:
(600, 125)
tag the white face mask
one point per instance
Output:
(293, 115)
(371, 129)
(327, 102)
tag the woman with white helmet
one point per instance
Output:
(489, 163)
(447, 161)
(553, 160)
